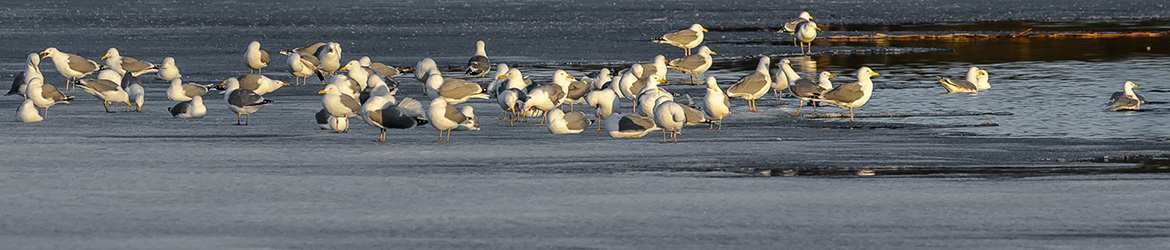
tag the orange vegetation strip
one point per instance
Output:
(1016, 35)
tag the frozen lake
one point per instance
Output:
(1059, 171)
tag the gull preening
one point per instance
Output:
(255, 58)
(685, 39)
(851, 95)
(28, 112)
(193, 108)
(168, 70)
(45, 95)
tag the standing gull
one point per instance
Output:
(255, 58)
(189, 109)
(302, 66)
(32, 69)
(71, 66)
(478, 65)
(605, 102)
(780, 80)
(694, 64)
(806, 32)
(402, 115)
(28, 112)
(599, 80)
(1127, 101)
(656, 67)
(444, 117)
(133, 87)
(168, 71)
(106, 90)
(455, 91)
(717, 105)
(45, 95)
(686, 39)
(625, 85)
(123, 64)
(338, 104)
(806, 90)
(243, 102)
(753, 86)
(962, 86)
(330, 57)
(790, 26)
(257, 83)
(852, 95)
(355, 71)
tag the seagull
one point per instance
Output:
(560, 123)
(694, 64)
(469, 124)
(605, 101)
(106, 90)
(302, 66)
(981, 80)
(402, 115)
(243, 102)
(478, 65)
(255, 58)
(962, 86)
(189, 109)
(32, 70)
(686, 39)
(1127, 101)
(45, 95)
(655, 67)
(181, 92)
(646, 98)
(625, 85)
(307, 50)
(512, 101)
(852, 95)
(71, 66)
(28, 112)
(780, 80)
(444, 117)
(629, 126)
(454, 91)
(168, 71)
(257, 83)
(806, 90)
(355, 71)
(329, 122)
(544, 98)
(119, 63)
(600, 80)
(790, 26)
(717, 105)
(134, 90)
(423, 68)
(381, 68)
(806, 32)
(576, 93)
(338, 104)
(670, 117)
(753, 86)
(330, 56)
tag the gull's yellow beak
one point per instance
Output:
(810, 18)
(571, 77)
(45, 53)
(322, 92)
(712, 52)
(342, 68)
(502, 77)
(222, 84)
(832, 75)
(105, 56)
(818, 28)
(704, 30)
(283, 84)
(1135, 85)
(661, 80)
(874, 74)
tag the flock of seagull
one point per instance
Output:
(367, 89)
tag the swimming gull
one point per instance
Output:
(851, 95)
(1128, 101)
(967, 85)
